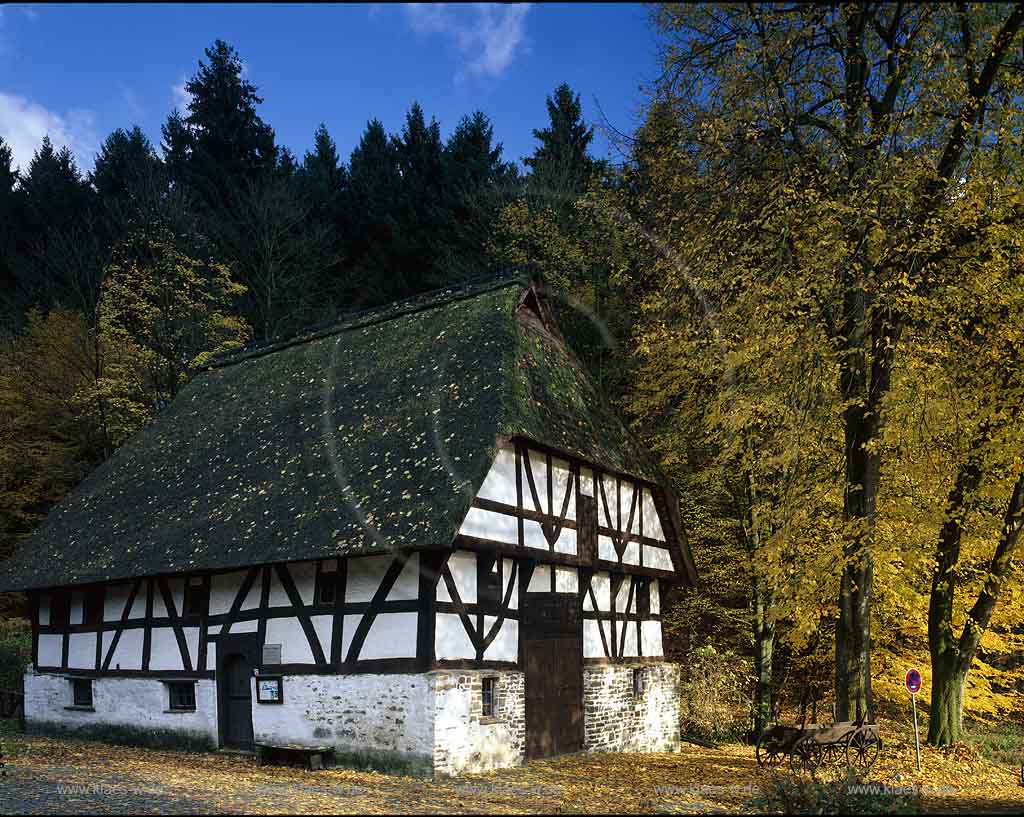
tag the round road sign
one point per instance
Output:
(913, 681)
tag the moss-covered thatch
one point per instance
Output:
(371, 435)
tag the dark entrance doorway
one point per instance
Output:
(236, 657)
(553, 659)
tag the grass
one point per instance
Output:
(1000, 743)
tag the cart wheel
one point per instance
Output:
(805, 756)
(831, 754)
(862, 748)
(768, 752)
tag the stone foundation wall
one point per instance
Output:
(379, 721)
(614, 720)
(465, 741)
(132, 710)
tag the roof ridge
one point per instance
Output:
(431, 299)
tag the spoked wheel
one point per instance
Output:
(806, 756)
(769, 753)
(862, 749)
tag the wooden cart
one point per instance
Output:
(812, 745)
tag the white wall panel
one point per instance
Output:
(652, 522)
(462, 566)
(82, 651)
(278, 597)
(115, 597)
(44, 610)
(505, 646)
(407, 585)
(498, 527)
(651, 635)
(566, 579)
(164, 650)
(364, 577)
(601, 585)
(324, 625)
(540, 580)
(289, 634)
(304, 576)
(51, 649)
(658, 558)
(451, 641)
(128, 653)
(533, 535)
(392, 635)
(592, 647)
(500, 482)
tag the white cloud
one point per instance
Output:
(488, 36)
(24, 123)
(179, 96)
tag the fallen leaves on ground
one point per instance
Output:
(73, 775)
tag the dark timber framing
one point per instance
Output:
(538, 502)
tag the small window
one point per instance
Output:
(489, 691)
(92, 605)
(643, 598)
(81, 689)
(181, 695)
(197, 597)
(60, 608)
(638, 682)
(326, 584)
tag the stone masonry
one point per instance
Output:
(614, 720)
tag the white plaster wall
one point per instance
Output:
(138, 703)
(462, 566)
(392, 635)
(657, 557)
(51, 649)
(364, 577)
(289, 634)
(44, 610)
(164, 652)
(540, 580)
(500, 483)
(650, 632)
(352, 713)
(464, 741)
(451, 641)
(82, 651)
(128, 654)
(505, 646)
(652, 522)
(115, 597)
(223, 589)
(498, 527)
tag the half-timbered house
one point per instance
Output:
(417, 536)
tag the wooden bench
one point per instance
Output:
(314, 755)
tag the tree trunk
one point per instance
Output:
(952, 657)
(764, 647)
(864, 380)
(947, 703)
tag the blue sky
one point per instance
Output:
(79, 71)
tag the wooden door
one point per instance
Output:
(236, 656)
(553, 660)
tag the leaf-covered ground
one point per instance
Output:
(46, 776)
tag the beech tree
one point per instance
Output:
(872, 117)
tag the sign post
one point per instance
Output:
(913, 684)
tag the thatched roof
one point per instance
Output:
(372, 434)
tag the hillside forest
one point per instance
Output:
(801, 280)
